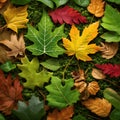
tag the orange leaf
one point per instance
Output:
(79, 45)
(10, 93)
(96, 7)
(64, 114)
(17, 46)
(100, 107)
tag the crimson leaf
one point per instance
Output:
(67, 15)
(110, 69)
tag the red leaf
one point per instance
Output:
(67, 15)
(110, 69)
(10, 93)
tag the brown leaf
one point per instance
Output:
(2, 3)
(96, 7)
(10, 93)
(64, 114)
(17, 46)
(100, 107)
(85, 95)
(93, 87)
(109, 50)
(98, 74)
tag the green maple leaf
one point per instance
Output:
(60, 95)
(31, 74)
(45, 39)
(111, 22)
(33, 111)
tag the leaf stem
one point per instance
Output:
(92, 19)
(66, 68)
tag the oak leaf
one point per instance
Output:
(17, 46)
(109, 69)
(98, 74)
(64, 114)
(67, 15)
(96, 7)
(99, 106)
(10, 93)
(109, 50)
(17, 19)
(79, 45)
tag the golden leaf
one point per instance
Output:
(17, 46)
(93, 87)
(96, 7)
(64, 114)
(100, 107)
(98, 74)
(16, 17)
(79, 45)
(109, 50)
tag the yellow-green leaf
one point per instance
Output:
(79, 45)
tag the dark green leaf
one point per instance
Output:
(8, 66)
(33, 111)
(114, 1)
(60, 2)
(115, 115)
(45, 40)
(113, 97)
(51, 64)
(83, 3)
(2, 117)
(79, 117)
(48, 3)
(20, 2)
(60, 95)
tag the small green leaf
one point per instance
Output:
(51, 64)
(60, 2)
(60, 95)
(2, 117)
(114, 1)
(45, 40)
(83, 3)
(113, 97)
(33, 111)
(20, 2)
(79, 117)
(111, 37)
(115, 115)
(8, 66)
(30, 71)
(48, 3)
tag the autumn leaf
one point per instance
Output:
(110, 69)
(2, 3)
(17, 46)
(17, 19)
(96, 7)
(109, 50)
(10, 93)
(30, 71)
(100, 107)
(79, 45)
(67, 15)
(64, 114)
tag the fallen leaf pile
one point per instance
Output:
(59, 60)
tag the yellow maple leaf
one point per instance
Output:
(96, 7)
(79, 45)
(16, 17)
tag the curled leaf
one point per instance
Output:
(100, 107)
(98, 74)
(109, 50)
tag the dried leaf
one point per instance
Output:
(109, 50)
(2, 3)
(85, 95)
(17, 46)
(96, 7)
(93, 87)
(79, 45)
(67, 15)
(64, 114)
(17, 19)
(100, 107)
(109, 69)
(98, 74)
(10, 93)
